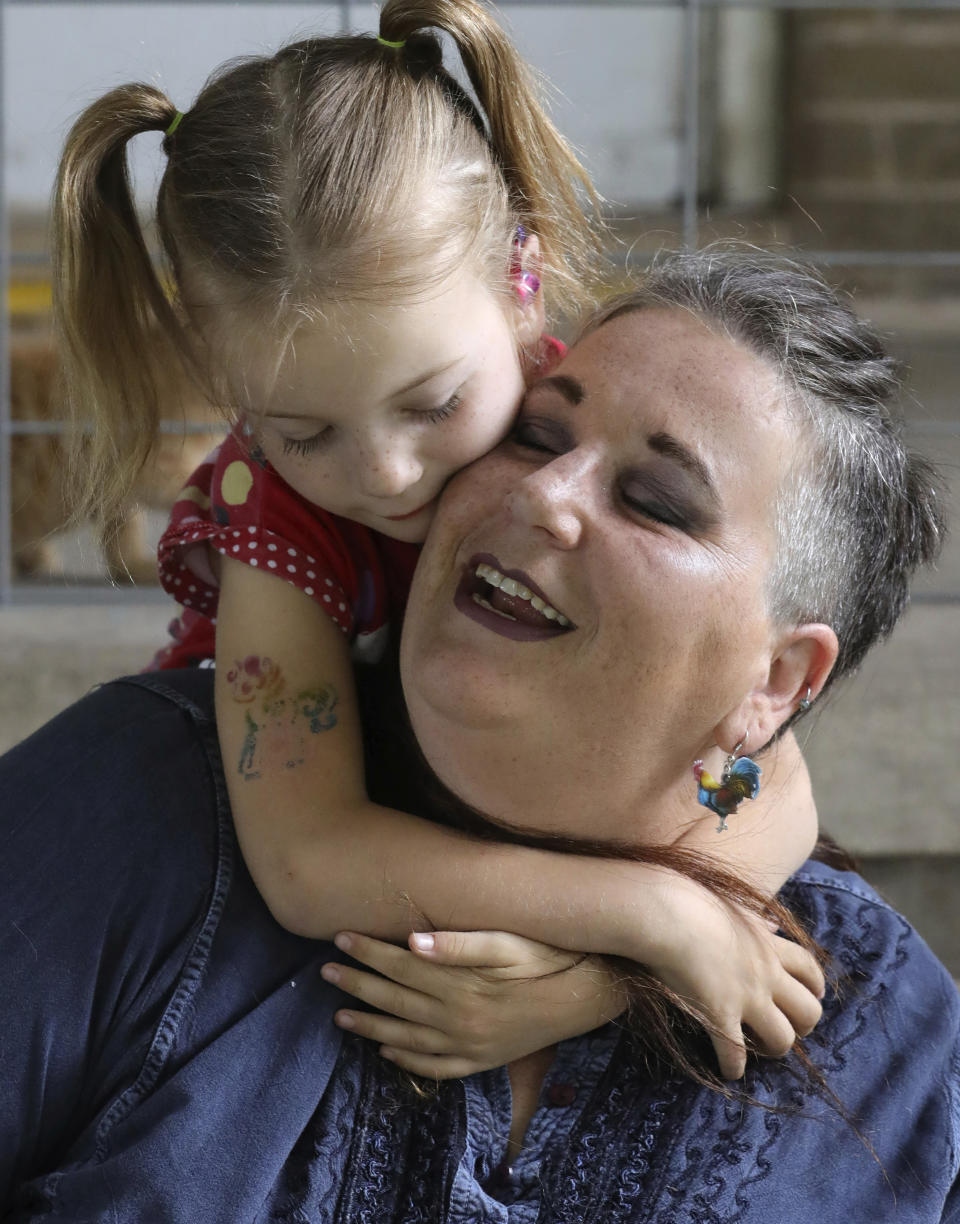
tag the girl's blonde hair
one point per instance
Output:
(339, 169)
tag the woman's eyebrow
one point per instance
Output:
(672, 448)
(571, 390)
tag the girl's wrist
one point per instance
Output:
(642, 922)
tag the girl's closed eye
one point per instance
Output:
(323, 437)
(306, 446)
(446, 410)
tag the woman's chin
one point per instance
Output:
(448, 723)
(451, 688)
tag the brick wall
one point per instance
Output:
(872, 139)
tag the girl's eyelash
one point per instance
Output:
(305, 446)
(435, 415)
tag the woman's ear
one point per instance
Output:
(525, 268)
(801, 662)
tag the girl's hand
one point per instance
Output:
(472, 1000)
(738, 974)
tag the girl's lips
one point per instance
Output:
(509, 615)
(399, 518)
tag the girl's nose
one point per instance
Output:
(388, 469)
(554, 500)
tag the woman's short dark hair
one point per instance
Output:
(858, 512)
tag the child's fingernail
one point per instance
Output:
(330, 973)
(344, 1020)
(343, 941)
(387, 1053)
(423, 941)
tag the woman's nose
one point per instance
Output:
(554, 499)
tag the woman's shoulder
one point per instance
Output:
(892, 1011)
(863, 935)
(141, 968)
(88, 795)
(868, 1127)
(105, 877)
(112, 838)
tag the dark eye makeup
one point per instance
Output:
(543, 434)
(650, 500)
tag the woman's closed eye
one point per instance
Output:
(660, 511)
(652, 498)
(541, 434)
(640, 493)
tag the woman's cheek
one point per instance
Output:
(481, 490)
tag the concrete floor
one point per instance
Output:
(883, 752)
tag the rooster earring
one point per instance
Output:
(740, 780)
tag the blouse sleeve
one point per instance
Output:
(236, 505)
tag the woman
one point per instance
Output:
(709, 477)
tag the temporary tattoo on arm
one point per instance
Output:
(276, 723)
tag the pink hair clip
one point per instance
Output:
(527, 284)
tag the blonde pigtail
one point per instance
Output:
(115, 326)
(550, 190)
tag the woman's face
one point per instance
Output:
(635, 499)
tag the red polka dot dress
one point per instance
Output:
(236, 504)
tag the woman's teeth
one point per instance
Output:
(510, 586)
(485, 603)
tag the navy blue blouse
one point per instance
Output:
(168, 1055)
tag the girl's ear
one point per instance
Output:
(800, 664)
(525, 268)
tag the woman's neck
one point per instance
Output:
(605, 799)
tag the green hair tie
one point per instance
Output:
(175, 124)
(396, 46)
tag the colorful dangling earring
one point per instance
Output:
(740, 780)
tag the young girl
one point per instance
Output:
(357, 256)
